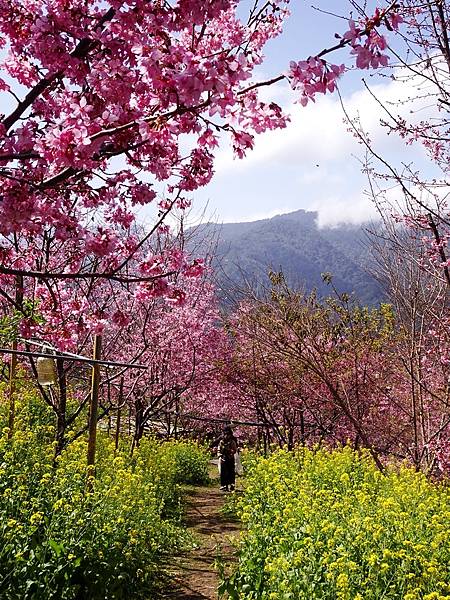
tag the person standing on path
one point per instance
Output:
(227, 450)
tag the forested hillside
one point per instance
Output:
(294, 244)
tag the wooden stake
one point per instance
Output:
(12, 391)
(129, 419)
(93, 410)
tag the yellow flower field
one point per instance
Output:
(62, 540)
(327, 525)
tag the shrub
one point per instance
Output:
(191, 463)
(329, 526)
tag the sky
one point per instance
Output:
(314, 164)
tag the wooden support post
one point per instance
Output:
(119, 405)
(13, 363)
(109, 409)
(61, 423)
(93, 410)
(12, 391)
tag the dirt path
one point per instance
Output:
(194, 574)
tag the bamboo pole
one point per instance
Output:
(93, 411)
(71, 357)
(129, 419)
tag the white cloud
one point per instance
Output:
(315, 133)
(333, 211)
(314, 163)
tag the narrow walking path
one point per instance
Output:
(194, 574)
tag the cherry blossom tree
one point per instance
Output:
(180, 344)
(268, 390)
(329, 371)
(321, 369)
(66, 317)
(412, 245)
(415, 192)
(419, 294)
(412, 199)
(108, 101)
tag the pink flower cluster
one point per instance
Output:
(313, 76)
(370, 52)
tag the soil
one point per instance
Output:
(194, 574)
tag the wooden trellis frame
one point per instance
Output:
(95, 363)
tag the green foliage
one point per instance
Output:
(57, 540)
(191, 463)
(173, 463)
(9, 324)
(8, 328)
(329, 526)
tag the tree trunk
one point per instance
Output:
(93, 411)
(138, 424)
(119, 409)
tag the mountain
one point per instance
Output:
(294, 244)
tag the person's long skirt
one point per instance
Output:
(227, 472)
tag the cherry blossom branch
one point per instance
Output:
(11, 301)
(262, 83)
(80, 51)
(19, 156)
(71, 171)
(148, 235)
(32, 95)
(395, 175)
(342, 44)
(91, 276)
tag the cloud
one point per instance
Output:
(315, 132)
(315, 163)
(318, 131)
(333, 211)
